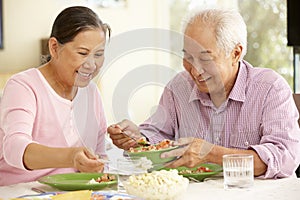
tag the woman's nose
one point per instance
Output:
(89, 64)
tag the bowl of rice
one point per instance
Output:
(157, 185)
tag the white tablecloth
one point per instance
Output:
(211, 189)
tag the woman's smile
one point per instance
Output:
(84, 75)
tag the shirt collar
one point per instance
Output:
(197, 95)
(238, 91)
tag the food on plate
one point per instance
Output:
(103, 178)
(201, 169)
(199, 172)
(79, 181)
(161, 145)
(158, 185)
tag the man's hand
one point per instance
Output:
(127, 140)
(191, 152)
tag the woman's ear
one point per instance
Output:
(53, 47)
(236, 53)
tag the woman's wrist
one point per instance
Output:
(72, 155)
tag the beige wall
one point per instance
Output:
(26, 22)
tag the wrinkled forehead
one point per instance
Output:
(198, 37)
(191, 45)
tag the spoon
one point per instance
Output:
(141, 141)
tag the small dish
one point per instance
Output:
(216, 169)
(77, 181)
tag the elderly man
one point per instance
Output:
(221, 104)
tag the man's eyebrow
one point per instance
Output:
(206, 51)
(203, 51)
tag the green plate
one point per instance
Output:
(153, 155)
(76, 181)
(201, 176)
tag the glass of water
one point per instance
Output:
(238, 171)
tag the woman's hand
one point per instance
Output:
(37, 156)
(192, 151)
(127, 140)
(85, 161)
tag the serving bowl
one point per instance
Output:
(153, 156)
(157, 185)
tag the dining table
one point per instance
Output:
(210, 189)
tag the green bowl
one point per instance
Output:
(154, 156)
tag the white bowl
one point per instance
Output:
(158, 185)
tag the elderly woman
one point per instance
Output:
(52, 118)
(221, 104)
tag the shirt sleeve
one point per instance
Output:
(162, 123)
(279, 146)
(17, 118)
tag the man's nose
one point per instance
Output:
(197, 70)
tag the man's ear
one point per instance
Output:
(236, 53)
(53, 47)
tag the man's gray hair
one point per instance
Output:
(229, 26)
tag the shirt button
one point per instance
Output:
(246, 143)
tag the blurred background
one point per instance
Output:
(26, 25)
(134, 73)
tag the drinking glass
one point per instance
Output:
(238, 171)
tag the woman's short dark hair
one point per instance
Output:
(74, 20)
